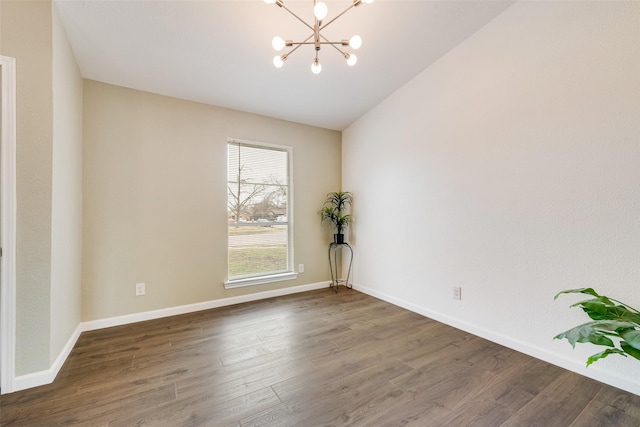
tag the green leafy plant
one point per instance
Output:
(614, 325)
(334, 210)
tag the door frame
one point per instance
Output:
(8, 224)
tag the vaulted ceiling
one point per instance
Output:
(219, 52)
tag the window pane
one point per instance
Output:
(255, 250)
(257, 204)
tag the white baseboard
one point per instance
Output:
(626, 384)
(190, 308)
(47, 376)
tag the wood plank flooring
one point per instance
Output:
(310, 359)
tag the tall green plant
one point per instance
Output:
(614, 325)
(334, 210)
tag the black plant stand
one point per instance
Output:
(333, 266)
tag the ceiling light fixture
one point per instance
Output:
(316, 39)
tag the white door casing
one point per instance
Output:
(7, 223)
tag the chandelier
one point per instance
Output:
(316, 38)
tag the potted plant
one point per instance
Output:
(334, 212)
(614, 325)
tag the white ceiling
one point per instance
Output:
(219, 52)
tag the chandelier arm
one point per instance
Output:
(299, 44)
(338, 16)
(326, 41)
(338, 49)
(294, 43)
(296, 16)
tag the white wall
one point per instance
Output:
(66, 183)
(509, 168)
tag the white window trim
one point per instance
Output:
(277, 277)
(260, 280)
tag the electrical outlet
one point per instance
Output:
(140, 289)
(457, 292)
(300, 268)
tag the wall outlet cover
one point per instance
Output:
(140, 289)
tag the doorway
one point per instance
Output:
(7, 222)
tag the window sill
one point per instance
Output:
(239, 283)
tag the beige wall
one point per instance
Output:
(27, 36)
(66, 209)
(154, 188)
(514, 165)
(49, 200)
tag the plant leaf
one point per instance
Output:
(603, 354)
(585, 333)
(632, 337)
(611, 325)
(595, 309)
(599, 300)
(621, 312)
(588, 291)
(601, 311)
(602, 308)
(630, 350)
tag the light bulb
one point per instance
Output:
(278, 61)
(355, 42)
(278, 43)
(351, 59)
(316, 67)
(363, 1)
(320, 11)
(270, 1)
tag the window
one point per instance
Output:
(258, 213)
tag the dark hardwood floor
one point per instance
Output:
(311, 359)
